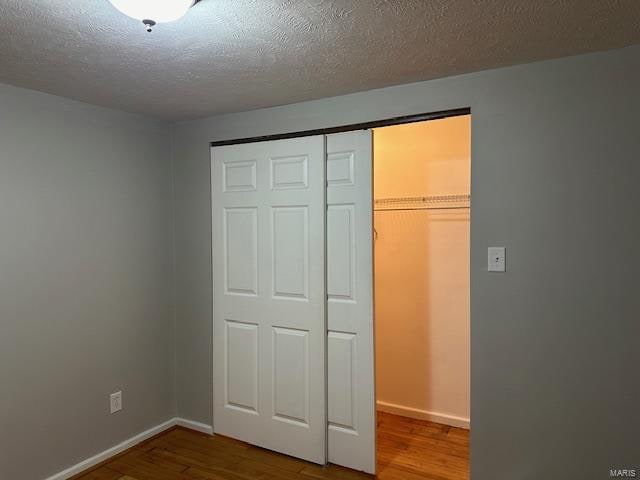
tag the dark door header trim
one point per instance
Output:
(421, 117)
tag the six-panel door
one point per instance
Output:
(350, 354)
(268, 214)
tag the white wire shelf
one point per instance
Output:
(439, 202)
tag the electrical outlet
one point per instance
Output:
(116, 402)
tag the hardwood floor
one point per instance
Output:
(410, 449)
(407, 450)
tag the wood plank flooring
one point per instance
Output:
(407, 450)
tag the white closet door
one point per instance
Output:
(351, 395)
(268, 212)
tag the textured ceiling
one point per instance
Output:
(234, 55)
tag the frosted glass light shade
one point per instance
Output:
(160, 11)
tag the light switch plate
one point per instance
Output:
(496, 259)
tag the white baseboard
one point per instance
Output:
(193, 425)
(131, 442)
(410, 412)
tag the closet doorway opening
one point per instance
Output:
(309, 389)
(422, 314)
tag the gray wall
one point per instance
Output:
(85, 280)
(556, 167)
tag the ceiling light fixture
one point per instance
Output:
(152, 12)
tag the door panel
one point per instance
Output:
(291, 252)
(268, 213)
(341, 237)
(241, 250)
(342, 372)
(291, 373)
(351, 398)
(241, 375)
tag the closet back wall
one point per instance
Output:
(422, 272)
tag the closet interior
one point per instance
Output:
(421, 249)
